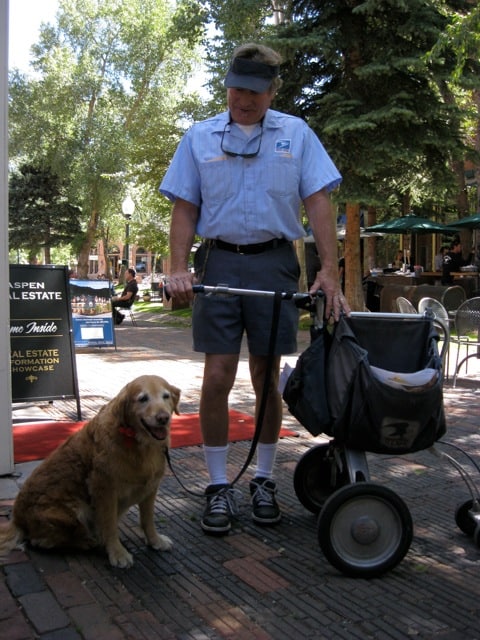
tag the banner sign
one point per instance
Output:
(91, 302)
(42, 357)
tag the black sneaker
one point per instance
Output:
(221, 507)
(265, 509)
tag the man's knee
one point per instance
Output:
(219, 374)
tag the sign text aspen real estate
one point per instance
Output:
(32, 291)
(42, 359)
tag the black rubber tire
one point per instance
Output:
(364, 530)
(317, 476)
(462, 518)
(476, 535)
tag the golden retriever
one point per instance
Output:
(76, 496)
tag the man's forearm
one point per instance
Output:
(320, 216)
(182, 234)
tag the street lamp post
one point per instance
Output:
(128, 207)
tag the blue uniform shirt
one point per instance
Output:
(249, 200)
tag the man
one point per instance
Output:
(452, 261)
(238, 180)
(127, 298)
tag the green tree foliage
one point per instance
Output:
(357, 71)
(360, 72)
(235, 23)
(107, 103)
(40, 216)
(462, 38)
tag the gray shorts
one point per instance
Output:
(220, 321)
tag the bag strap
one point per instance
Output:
(277, 300)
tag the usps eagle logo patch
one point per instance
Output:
(283, 146)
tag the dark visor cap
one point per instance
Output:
(249, 74)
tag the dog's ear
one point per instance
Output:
(122, 404)
(175, 392)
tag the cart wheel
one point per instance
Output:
(463, 519)
(476, 535)
(317, 476)
(364, 530)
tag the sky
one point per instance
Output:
(24, 21)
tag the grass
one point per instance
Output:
(171, 317)
(304, 321)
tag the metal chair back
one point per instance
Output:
(404, 305)
(467, 329)
(453, 297)
(434, 308)
(467, 320)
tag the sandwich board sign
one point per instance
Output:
(91, 304)
(42, 356)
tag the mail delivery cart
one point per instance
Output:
(373, 384)
(382, 382)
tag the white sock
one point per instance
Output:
(216, 461)
(266, 454)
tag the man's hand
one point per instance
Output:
(335, 301)
(179, 286)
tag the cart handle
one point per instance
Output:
(225, 289)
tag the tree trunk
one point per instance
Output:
(458, 168)
(353, 266)
(370, 243)
(84, 253)
(477, 148)
(462, 206)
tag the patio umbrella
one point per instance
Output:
(411, 224)
(470, 222)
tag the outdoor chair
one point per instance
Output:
(467, 333)
(404, 305)
(453, 297)
(432, 307)
(131, 314)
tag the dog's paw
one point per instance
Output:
(119, 557)
(161, 543)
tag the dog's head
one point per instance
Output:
(147, 404)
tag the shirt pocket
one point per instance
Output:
(217, 181)
(280, 176)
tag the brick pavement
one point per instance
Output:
(255, 584)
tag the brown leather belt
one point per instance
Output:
(247, 249)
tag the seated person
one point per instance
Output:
(127, 298)
(399, 259)
(438, 260)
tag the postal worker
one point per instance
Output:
(238, 181)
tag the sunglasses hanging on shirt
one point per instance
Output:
(233, 154)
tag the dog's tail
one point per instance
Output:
(10, 538)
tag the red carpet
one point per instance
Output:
(35, 441)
